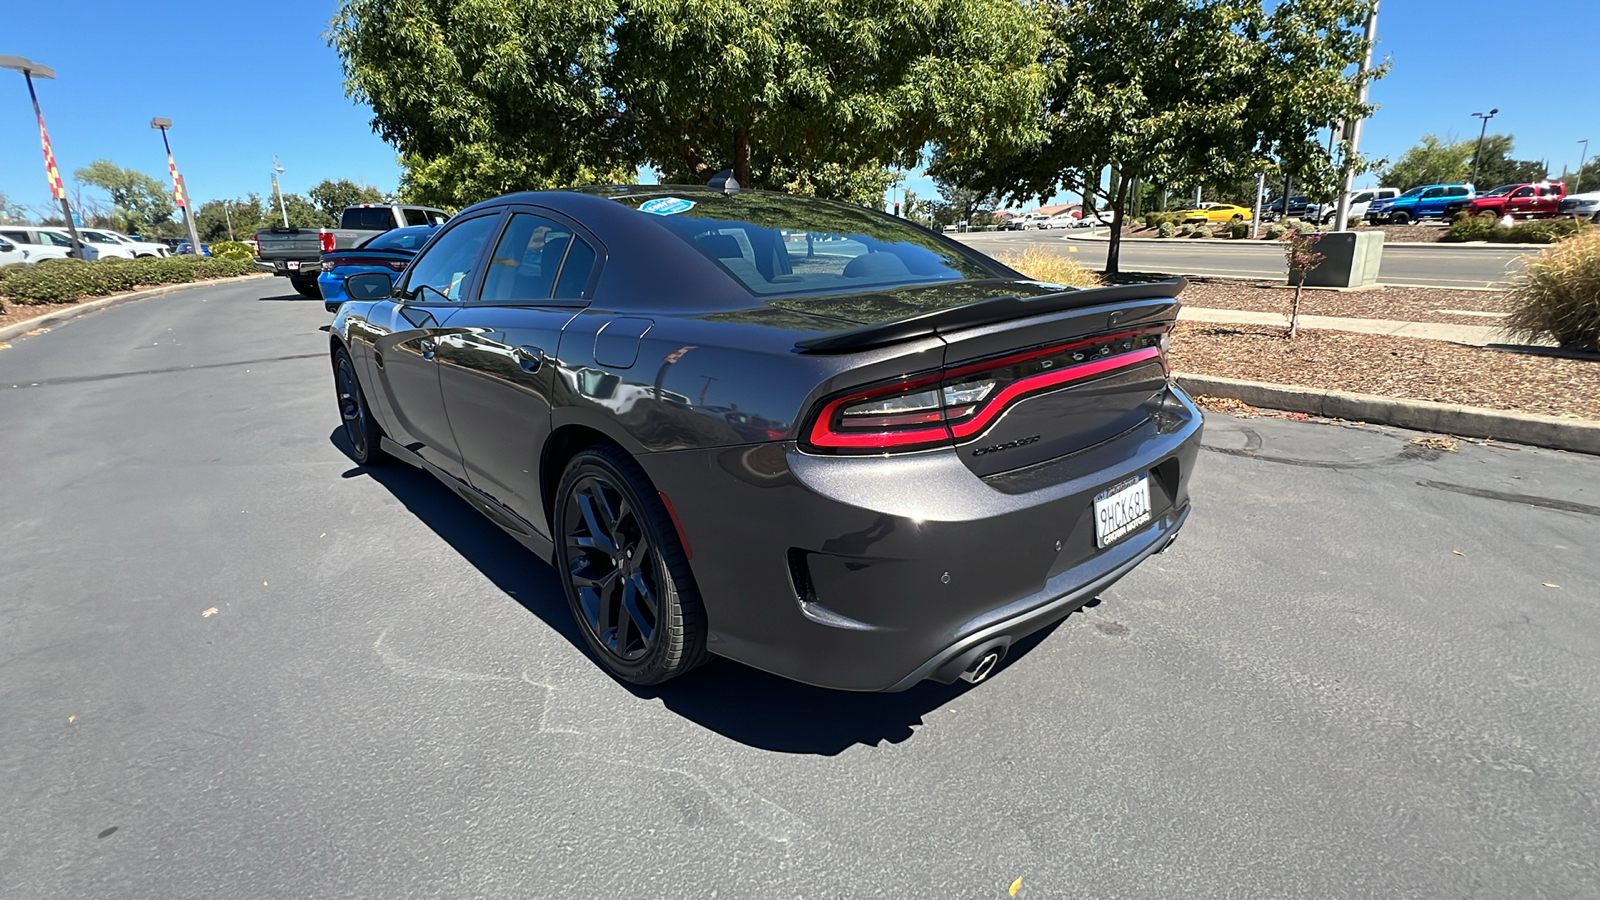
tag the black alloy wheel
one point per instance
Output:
(307, 287)
(626, 576)
(359, 428)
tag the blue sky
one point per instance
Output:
(243, 82)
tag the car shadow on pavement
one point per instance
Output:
(734, 700)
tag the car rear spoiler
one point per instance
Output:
(984, 312)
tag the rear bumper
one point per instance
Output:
(280, 267)
(876, 573)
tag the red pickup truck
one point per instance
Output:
(1540, 200)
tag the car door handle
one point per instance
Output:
(530, 358)
(427, 346)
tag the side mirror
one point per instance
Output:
(6, 246)
(369, 286)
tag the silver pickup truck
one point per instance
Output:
(296, 253)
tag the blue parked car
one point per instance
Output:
(388, 252)
(1427, 202)
(187, 249)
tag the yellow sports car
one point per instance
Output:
(1216, 212)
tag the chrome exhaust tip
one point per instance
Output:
(983, 667)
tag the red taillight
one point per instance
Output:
(256, 245)
(327, 241)
(961, 403)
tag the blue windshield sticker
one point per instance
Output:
(666, 206)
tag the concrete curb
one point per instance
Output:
(1260, 242)
(1578, 435)
(89, 306)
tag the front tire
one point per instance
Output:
(360, 429)
(625, 573)
(307, 287)
(1400, 218)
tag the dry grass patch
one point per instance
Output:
(1040, 264)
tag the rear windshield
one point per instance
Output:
(777, 244)
(368, 218)
(402, 238)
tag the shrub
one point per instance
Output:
(1238, 230)
(67, 280)
(1166, 229)
(1042, 265)
(1542, 231)
(1559, 296)
(1154, 219)
(1469, 228)
(1185, 230)
(1276, 231)
(1201, 230)
(232, 250)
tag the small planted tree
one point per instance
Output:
(1300, 250)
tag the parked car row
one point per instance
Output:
(31, 243)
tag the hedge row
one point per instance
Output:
(1538, 231)
(69, 280)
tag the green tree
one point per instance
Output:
(1586, 180)
(302, 214)
(1445, 161)
(333, 196)
(1499, 168)
(212, 220)
(961, 204)
(141, 201)
(485, 96)
(1170, 92)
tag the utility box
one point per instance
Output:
(1349, 259)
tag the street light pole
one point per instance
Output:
(1353, 129)
(276, 171)
(1478, 154)
(1577, 181)
(52, 174)
(180, 192)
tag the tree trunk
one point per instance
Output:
(1119, 202)
(1294, 309)
(741, 156)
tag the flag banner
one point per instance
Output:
(52, 174)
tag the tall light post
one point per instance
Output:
(1353, 129)
(180, 193)
(1478, 154)
(276, 171)
(29, 70)
(1577, 180)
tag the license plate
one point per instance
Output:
(292, 264)
(1120, 510)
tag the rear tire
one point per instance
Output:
(625, 573)
(360, 429)
(307, 288)
(1400, 218)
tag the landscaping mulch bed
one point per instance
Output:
(1404, 304)
(1406, 368)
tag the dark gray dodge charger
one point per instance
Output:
(799, 434)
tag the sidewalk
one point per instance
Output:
(1475, 335)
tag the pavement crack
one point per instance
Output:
(83, 379)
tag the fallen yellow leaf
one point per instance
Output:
(47, 331)
(263, 584)
(71, 719)
(1016, 886)
(4, 346)
(1548, 584)
(209, 613)
(1458, 552)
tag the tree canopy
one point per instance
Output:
(1180, 91)
(485, 96)
(140, 200)
(1436, 160)
(333, 196)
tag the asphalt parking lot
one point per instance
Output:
(233, 664)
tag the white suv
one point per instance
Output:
(115, 243)
(36, 243)
(1359, 202)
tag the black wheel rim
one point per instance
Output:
(351, 409)
(613, 566)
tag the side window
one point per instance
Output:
(1521, 193)
(528, 262)
(1431, 193)
(415, 217)
(437, 218)
(60, 240)
(442, 271)
(574, 281)
(18, 236)
(1363, 197)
